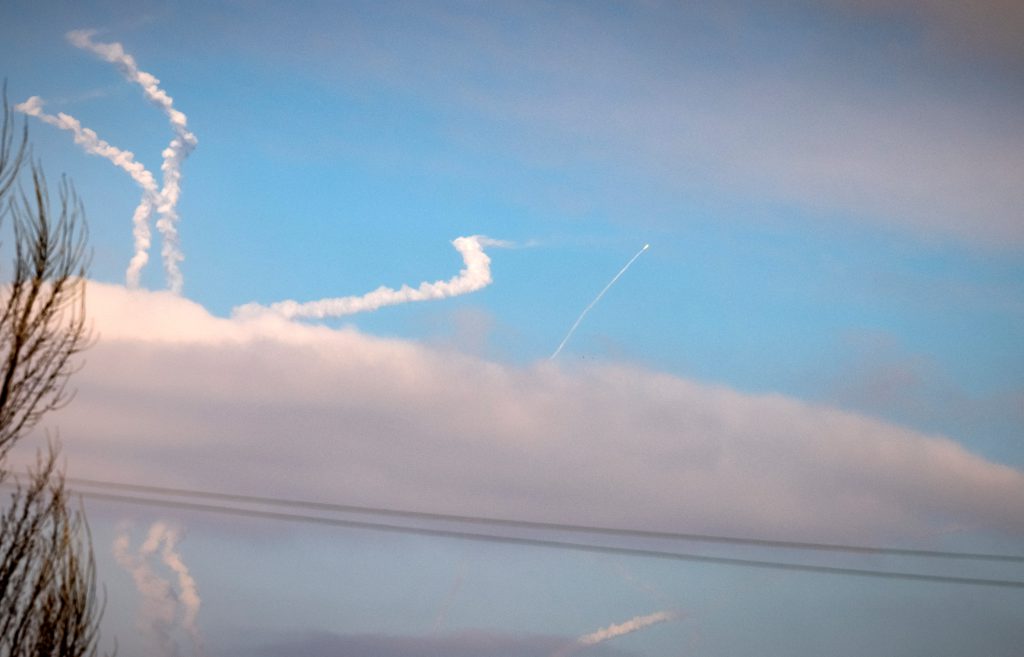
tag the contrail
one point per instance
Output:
(160, 602)
(474, 276)
(125, 160)
(594, 302)
(183, 143)
(604, 634)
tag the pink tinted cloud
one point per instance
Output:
(172, 396)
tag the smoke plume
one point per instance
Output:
(474, 276)
(628, 627)
(183, 143)
(125, 160)
(159, 613)
(188, 592)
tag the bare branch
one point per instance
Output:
(48, 604)
(47, 574)
(42, 318)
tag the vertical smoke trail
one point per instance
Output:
(160, 602)
(628, 627)
(476, 275)
(174, 155)
(594, 302)
(188, 594)
(159, 608)
(125, 160)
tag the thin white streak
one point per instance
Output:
(594, 302)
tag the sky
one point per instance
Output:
(337, 245)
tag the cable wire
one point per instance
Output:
(548, 526)
(549, 543)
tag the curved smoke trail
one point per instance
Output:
(183, 143)
(160, 601)
(474, 276)
(125, 160)
(594, 302)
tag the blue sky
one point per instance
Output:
(832, 193)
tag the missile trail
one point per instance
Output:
(474, 276)
(125, 160)
(179, 148)
(594, 302)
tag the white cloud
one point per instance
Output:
(172, 395)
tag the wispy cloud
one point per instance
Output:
(991, 27)
(727, 105)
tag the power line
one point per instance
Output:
(547, 543)
(547, 526)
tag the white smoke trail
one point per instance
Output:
(188, 592)
(174, 155)
(628, 627)
(594, 302)
(160, 602)
(616, 630)
(158, 609)
(474, 276)
(125, 160)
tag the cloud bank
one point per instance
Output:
(170, 394)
